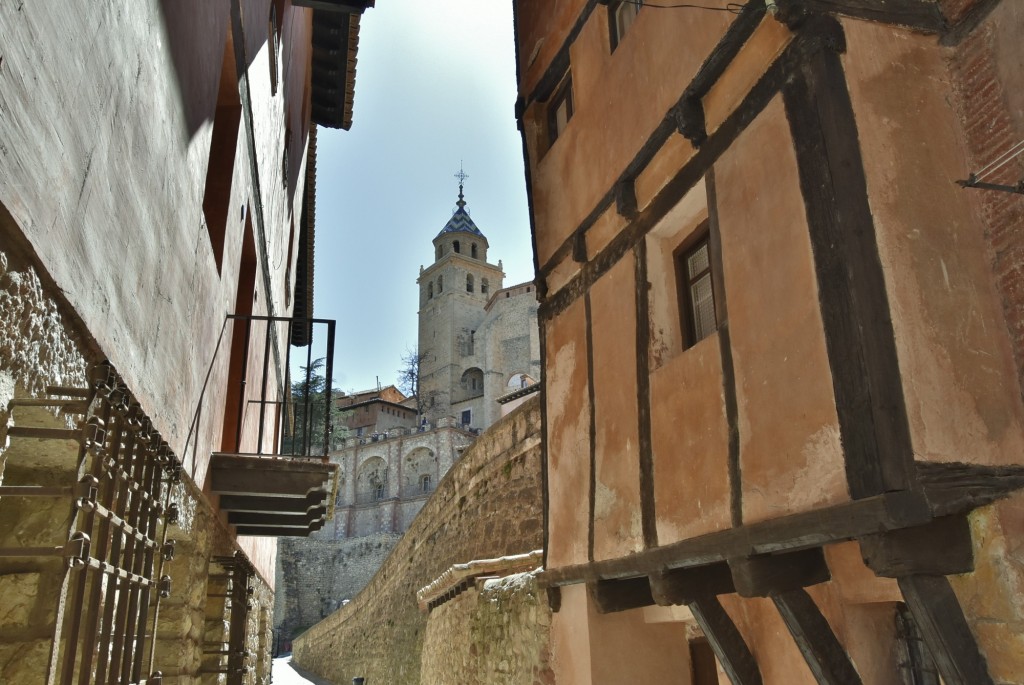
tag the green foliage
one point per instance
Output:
(305, 418)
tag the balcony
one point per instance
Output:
(277, 479)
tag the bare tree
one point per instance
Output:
(409, 374)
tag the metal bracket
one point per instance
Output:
(973, 182)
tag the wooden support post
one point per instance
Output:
(619, 595)
(814, 638)
(942, 624)
(732, 652)
(768, 574)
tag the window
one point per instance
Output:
(440, 284)
(621, 16)
(472, 250)
(696, 296)
(425, 483)
(455, 247)
(469, 283)
(560, 109)
(483, 286)
(430, 290)
(438, 252)
(378, 491)
(467, 417)
(275, 45)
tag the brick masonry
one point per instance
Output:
(489, 505)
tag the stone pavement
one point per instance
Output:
(286, 674)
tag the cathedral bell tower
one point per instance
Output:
(453, 292)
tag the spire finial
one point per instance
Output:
(462, 176)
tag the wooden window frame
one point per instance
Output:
(615, 35)
(562, 94)
(701, 237)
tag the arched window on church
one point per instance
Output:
(483, 286)
(430, 290)
(472, 250)
(440, 251)
(469, 283)
(440, 284)
(455, 246)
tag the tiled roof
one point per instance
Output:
(461, 221)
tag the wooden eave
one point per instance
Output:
(335, 43)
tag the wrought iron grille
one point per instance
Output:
(109, 604)
(230, 655)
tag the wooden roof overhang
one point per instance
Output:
(273, 496)
(335, 42)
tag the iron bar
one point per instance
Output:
(328, 388)
(288, 402)
(45, 433)
(245, 373)
(263, 389)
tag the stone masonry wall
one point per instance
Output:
(497, 635)
(489, 505)
(315, 576)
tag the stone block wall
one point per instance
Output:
(497, 634)
(489, 505)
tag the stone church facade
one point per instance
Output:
(480, 356)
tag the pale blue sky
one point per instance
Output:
(435, 85)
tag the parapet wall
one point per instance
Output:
(488, 505)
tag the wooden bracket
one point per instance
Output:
(826, 658)
(942, 624)
(687, 585)
(939, 548)
(625, 198)
(610, 596)
(732, 652)
(766, 575)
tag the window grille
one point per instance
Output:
(109, 603)
(697, 298)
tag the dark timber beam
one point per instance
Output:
(942, 624)
(920, 15)
(274, 505)
(687, 585)
(941, 547)
(854, 304)
(766, 575)
(814, 638)
(954, 487)
(610, 596)
(725, 639)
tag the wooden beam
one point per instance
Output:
(272, 505)
(956, 487)
(686, 585)
(766, 575)
(725, 639)
(854, 304)
(610, 596)
(920, 15)
(248, 518)
(648, 513)
(944, 628)
(941, 547)
(828, 661)
(804, 530)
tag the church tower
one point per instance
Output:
(453, 293)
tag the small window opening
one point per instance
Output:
(455, 247)
(430, 290)
(469, 283)
(623, 14)
(472, 250)
(560, 109)
(425, 483)
(440, 284)
(483, 286)
(696, 297)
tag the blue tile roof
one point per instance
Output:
(461, 222)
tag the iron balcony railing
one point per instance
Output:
(302, 410)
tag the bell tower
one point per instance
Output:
(453, 293)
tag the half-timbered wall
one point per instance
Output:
(860, 379)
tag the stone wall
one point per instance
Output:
(315, 576)
(497, 634)
(489, 505)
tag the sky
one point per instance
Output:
(435, 89)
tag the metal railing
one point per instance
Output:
(303, 410)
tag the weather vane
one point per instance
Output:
(462, 175)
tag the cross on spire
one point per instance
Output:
(462, 176)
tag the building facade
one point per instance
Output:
(782, 348)
(157, 220)
(477, 340)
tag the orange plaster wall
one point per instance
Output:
(625, 649)
(617, 528)
(690, 444)
(790, 455)
(960, 381)
(620, 98)
(568, 449)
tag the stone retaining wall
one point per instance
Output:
(489, 505)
